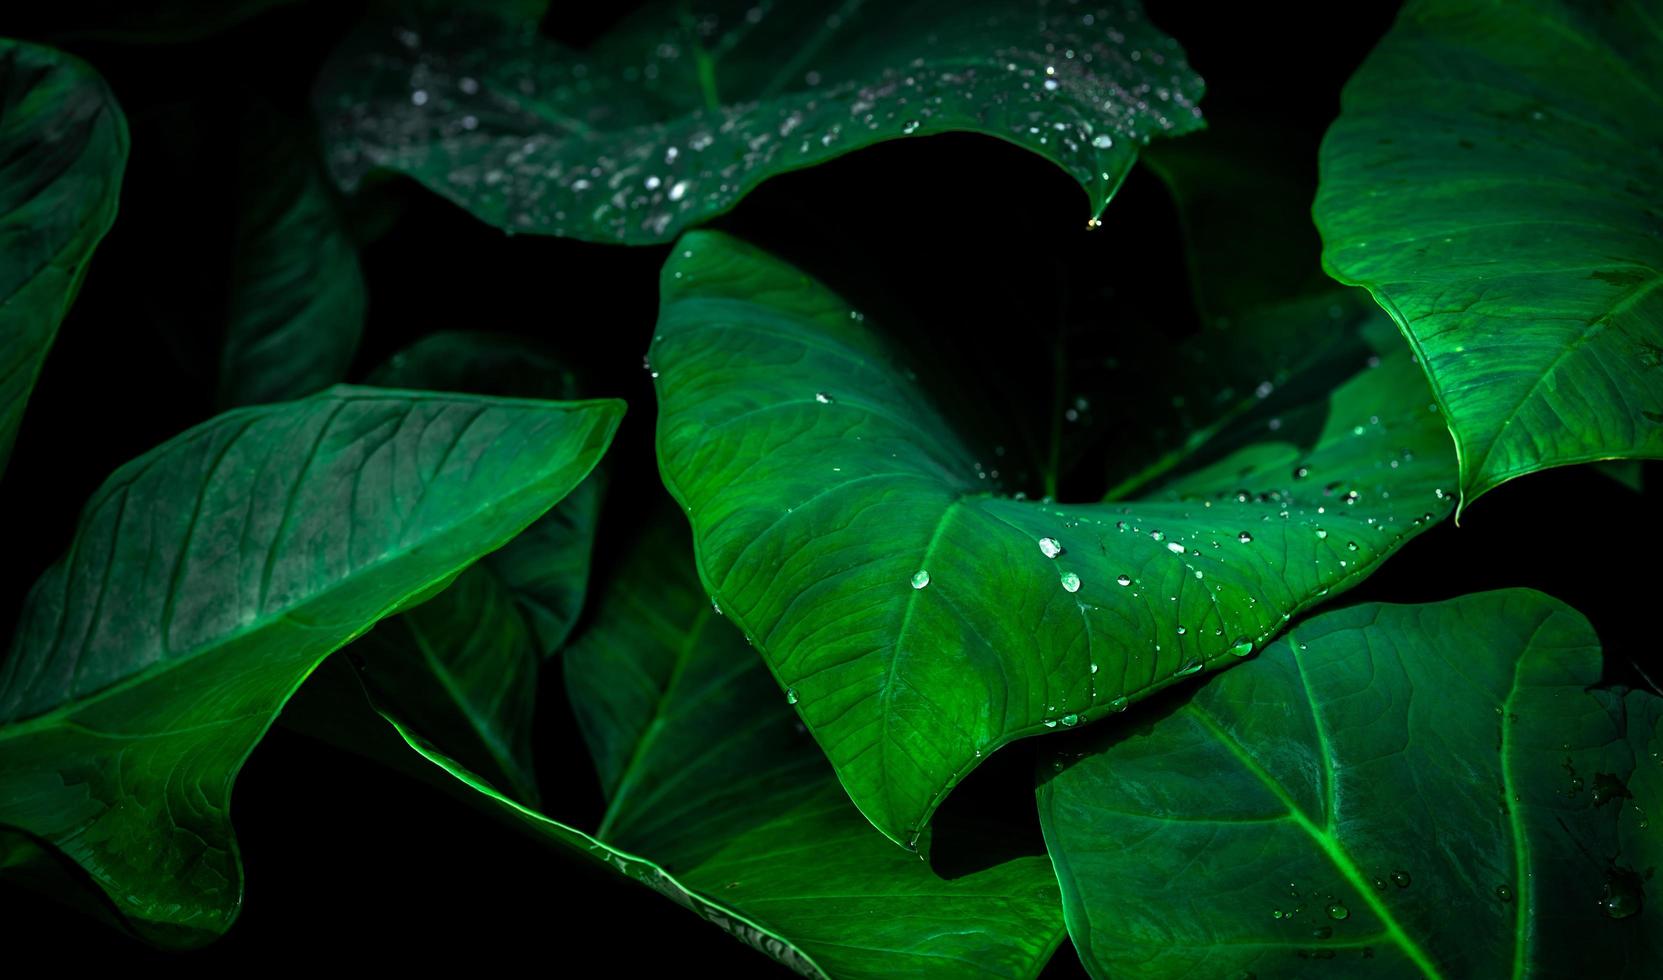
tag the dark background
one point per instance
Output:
(961, 240)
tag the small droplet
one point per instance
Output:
(1351, 546)
(1124, 580)
(823, 398)
(920, 579)
(1401, 879)
(1070, 582)
(1244, 538)
(790, 695)
(1102, 141)
(1191, 667)
(1120, 704)
(1158, 535)
(1050, 547)
(1301, 472)
(1175, 547)
(1337, 911)
(1504, 893)
(1242, 647)
(1321, 534)
(1069, 721)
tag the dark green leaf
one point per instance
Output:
(461, 669)
(687, 107)
(297, 293)
(209, 576)
(1494, 179)
(1401, 790)
(857, 541)
(735, 814)
(63, 147)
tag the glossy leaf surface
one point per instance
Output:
(63, 148)
(1387, 791)
(1494, 180)
(206, 580)
(924, 620)
(684, 108)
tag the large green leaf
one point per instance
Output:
(1404, 790)
(922, 621)
(297, 292)
(718, 800)
(686, 107)
(206, 580)
(63, 147)
(461, 669)
(1494, 179)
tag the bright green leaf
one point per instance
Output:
(1494, 180)
(734, 813)
(63, 147)
(925, 620)
(685, 108)
(297, 292)
(209, 577)
(1387, 791)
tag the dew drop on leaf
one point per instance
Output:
(920, 579)
(1050, 546)
(1070, 582)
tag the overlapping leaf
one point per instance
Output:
(1494, 179)
(685, 108)
(922, 620)
(1398, 790)
(63, 147)
(206, 580)
(461, 670)
(718, 800)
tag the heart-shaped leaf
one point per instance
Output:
(922, 620)
(1494, 180)
(1402, 790)
(297, 292)
(209, 577)
(719, 800)
(63, 147)
(686, 107)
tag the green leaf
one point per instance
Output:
(1493, 179)
(209, 577)
(63, 147)
(461, 669)
(844, 526)
(1403, 790)
(297, 292)
(685, 108)
(718, 800)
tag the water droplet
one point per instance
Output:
(1191, 667)
(1094, 668)
(1182, 631)
(1242, 647)
(1244, 538)
(716, 605)
(1301, 472)
(920, 579)
(1175, 547)
(1337, 911)
(1070, 582)
(1102, 141)
(1120, 704)
(1050, 547)
(1504, 893)
(1351, 546)
(1158, 535)
(823, 398)
(1050, 723)
(1401, 879)
(1608, 787)
(677, 190)
(1069, 721)
(790, 695)
(1124, 580)
(1321, 534)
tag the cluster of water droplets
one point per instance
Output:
(534, 137)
